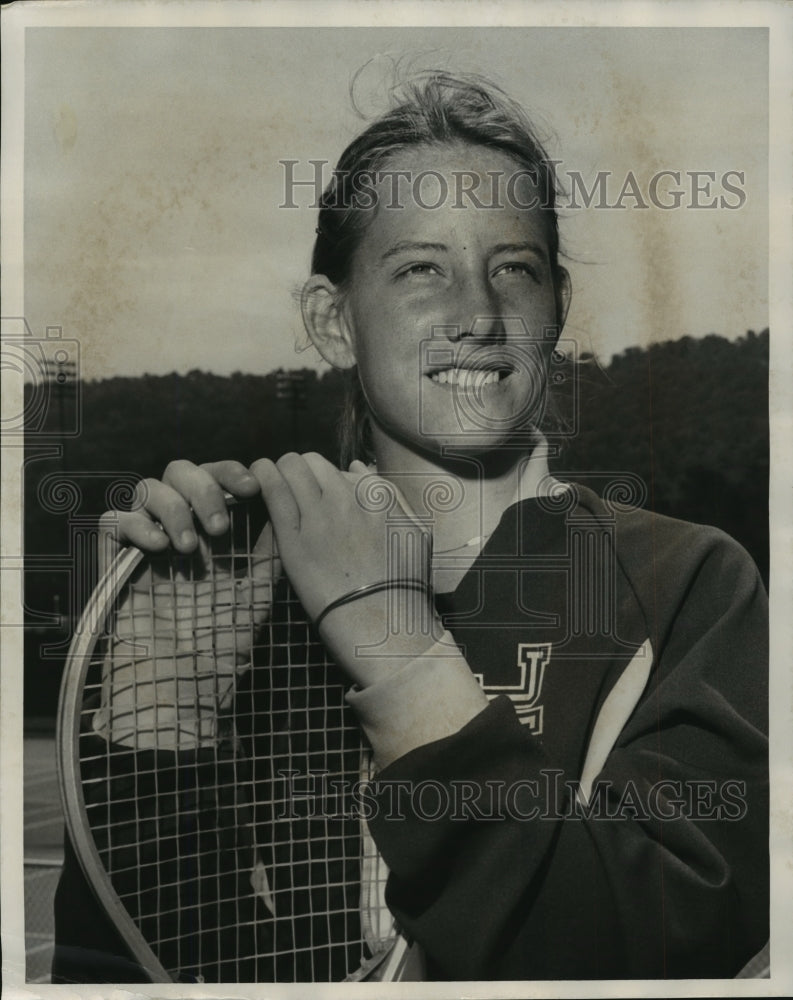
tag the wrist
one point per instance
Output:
(376, 634)
(380, 587)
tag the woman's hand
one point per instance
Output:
(166, 511)
(193, 629)
(339, 531)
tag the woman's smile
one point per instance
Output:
(464, 300)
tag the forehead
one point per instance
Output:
(457, 188)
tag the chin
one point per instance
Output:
(474, 441)
(477, 445)
(476, 436)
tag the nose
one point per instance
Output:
(484, 328)
(478, 313)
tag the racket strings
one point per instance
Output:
(220, 767)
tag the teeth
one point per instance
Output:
(466, 378)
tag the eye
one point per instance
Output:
(418, 269)
(517, 268)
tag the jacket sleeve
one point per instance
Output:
(498, 871)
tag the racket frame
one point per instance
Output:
(78, 660)
(383, 965)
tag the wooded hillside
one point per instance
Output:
(688, 417)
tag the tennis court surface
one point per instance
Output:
(43, 852)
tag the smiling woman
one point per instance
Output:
(560, 693)
(435, 295)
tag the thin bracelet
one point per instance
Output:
(398, 583)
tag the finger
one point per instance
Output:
(280, 501)
(265, 547)
(164, 504)
(326, 473)
(202, 491)
(234, 477)
(266, 565)
(301, 480)
(119, 528)
(403, 503)
(356, 471)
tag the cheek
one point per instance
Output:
(386, 341)
(390, 386)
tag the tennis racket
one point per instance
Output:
(213, 777)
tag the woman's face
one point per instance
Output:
(451, 304)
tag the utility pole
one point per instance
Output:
(290, 387)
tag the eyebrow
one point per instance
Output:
(533, 248)
(407, 245)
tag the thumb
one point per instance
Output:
(266, 562)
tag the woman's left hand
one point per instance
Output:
(338, 531)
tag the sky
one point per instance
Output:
(152, 228)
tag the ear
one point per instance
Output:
(564, 293)
(325, 322)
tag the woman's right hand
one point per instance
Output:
(167, 512)
(193, 629)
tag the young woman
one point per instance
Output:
(587, 693)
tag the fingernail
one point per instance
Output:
(217, 522)
(188, 538)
